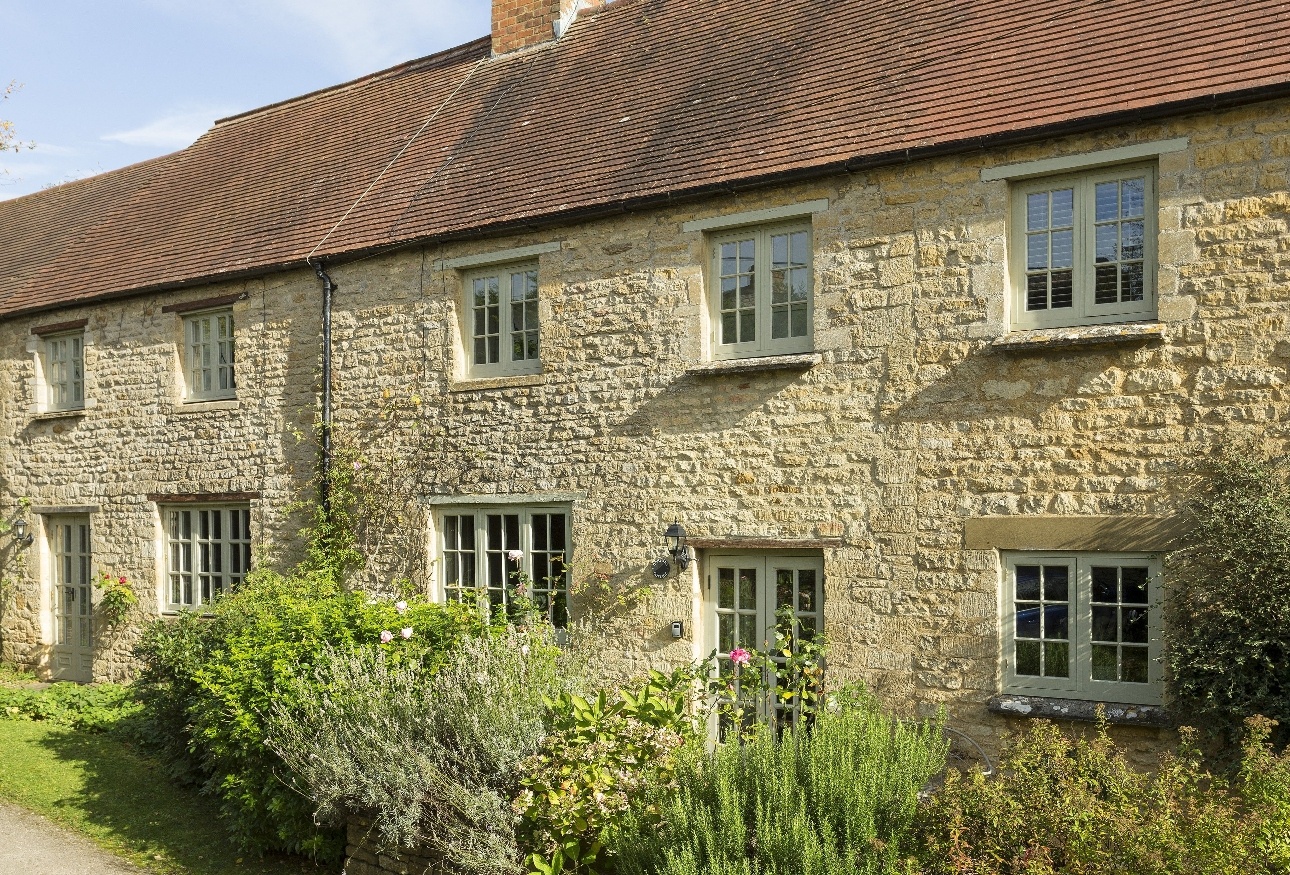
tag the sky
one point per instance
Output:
(107, 83)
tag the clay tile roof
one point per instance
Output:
(641, 101)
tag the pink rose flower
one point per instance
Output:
(405, 633)
(401, 607)
(739, 656)
(515, 556)
(386, 636)
(121, 580)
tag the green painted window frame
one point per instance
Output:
(210, 356)
(1080, 683)
(1084, 309)
(63, 363)
(203, 564)
(474, 566)
(473, 333)
(762, 344)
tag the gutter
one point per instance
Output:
(324, 487)
(855, 164)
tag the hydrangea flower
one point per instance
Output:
(386, 636)
(405, 633)
(739, 656)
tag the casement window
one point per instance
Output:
(63, 364)
(761, 291)
(209, 356)
(490, 556)
(746, 593)
(208, 552)
(1083, 248)
(71, 597)
(500, 330)
(1082, 626)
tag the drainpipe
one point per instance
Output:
(325, 488)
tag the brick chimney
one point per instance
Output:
(519, 24)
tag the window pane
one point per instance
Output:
(726, 588)
(1063, 295)
(725, 632)
(1132, 197)
(1133, 665)
(1063, 208)
(1037, 251)
(806, 590)
(1028, 620)
(1105, 583)
(1056, 583)
(1037, 292)
(1057, 659)
(1055, 621)
(1104, 663)
(1027, 582)
(783, 587)
(1105, 623)
(1107, 201)
(748, 632)
(1028, 658)
(1135, 585)
(1037, 211)
(1131, 287)
(1135, 625)
(747, 588)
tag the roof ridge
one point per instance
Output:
(444, 57)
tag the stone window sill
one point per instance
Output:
(207, 406)
(1077, 709)
(513, 381)
(49, 415)
(1040, 339)
(799, 362)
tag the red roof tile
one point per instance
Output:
(641, 101)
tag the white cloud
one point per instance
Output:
(52, 149)
(174, 131)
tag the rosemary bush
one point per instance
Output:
(835, 796)
(432, 759)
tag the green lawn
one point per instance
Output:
(97, 786)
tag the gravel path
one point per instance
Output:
(31, 845)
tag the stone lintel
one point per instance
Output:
(1110, 534)
(1041, 339)
(64, 509)
(204, 303)
(1078, 709)
(800, 362)
(59, 327)
(737, 542)
(200, 497)
(488, 500)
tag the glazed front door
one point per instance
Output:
(745, 593)
(73, 650)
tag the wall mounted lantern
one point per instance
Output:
(674, 538)
(21, 535)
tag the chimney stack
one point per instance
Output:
(520, 24)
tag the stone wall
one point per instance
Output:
(915, 420)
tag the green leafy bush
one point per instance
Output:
(208, 685)
(433, 759)
(1064, 805)
(90, 708)
(1227, 624)
(835, 797)
(601, 754)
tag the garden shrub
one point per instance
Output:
(1227, 626)
(600, 755)
(89, 708)
(833, 796)
(1065, 805)
(432, 760)
(209, 683)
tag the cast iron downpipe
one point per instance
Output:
(325, 426)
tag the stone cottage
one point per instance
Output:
(906, 316)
